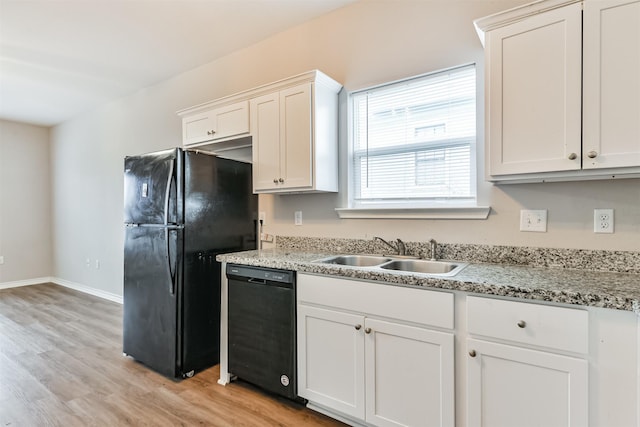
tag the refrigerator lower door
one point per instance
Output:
(201, 311)
(151, 291)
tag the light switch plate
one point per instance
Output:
(533, 220)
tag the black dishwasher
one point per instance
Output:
(262, 328)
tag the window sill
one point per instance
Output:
(471, 212)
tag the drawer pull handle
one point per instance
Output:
(472, 353)
(367, 330)
(358, 327)
(522, 324)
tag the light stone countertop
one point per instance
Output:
(620, 291)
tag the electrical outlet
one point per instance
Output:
(262, 216)
(1, 260)
(97, 264)
(533, 220)
(88, 262)
(297, 218)
(603, 221)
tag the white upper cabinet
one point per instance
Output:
(216, 123)
(295, 136)
(563, 91)
(611, 84)
(291, 125)
(533, 94)
(283, 140)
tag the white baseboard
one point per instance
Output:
(87, 290)
(67, 284)
(28, 282)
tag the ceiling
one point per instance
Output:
(59, 58)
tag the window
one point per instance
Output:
(413, 142)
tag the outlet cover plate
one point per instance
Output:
(603, 221)
(533, 220)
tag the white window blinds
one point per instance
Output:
(414, 141)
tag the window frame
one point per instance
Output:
(435, 207)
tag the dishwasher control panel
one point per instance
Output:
(268, 274)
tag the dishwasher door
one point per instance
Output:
(262, 328)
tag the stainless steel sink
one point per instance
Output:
(412, 265)
(356, 260)
(440, 268)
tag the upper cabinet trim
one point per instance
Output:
(515, 14)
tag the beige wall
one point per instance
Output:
(25, 226)
(369, 42)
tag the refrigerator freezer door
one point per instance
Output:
(152, 188)
(152, 265)
(220, 207)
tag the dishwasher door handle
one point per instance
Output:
(258, 281)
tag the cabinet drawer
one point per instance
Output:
(546, 326)
(396, 302)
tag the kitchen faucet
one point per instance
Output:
(434, 246)
(400, 247)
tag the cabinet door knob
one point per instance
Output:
(275, 180)
(472, 353)
(522, 324)
(592, 154)
(367, 330)
(573, 156)
(358, 327)
(281, 180)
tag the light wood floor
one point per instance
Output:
(61, 364)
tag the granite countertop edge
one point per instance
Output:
(620, 291)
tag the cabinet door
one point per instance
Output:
(534, 93)
(197, 128)
(231, 120)
(296, 141)
(409, 375)
(331, 359)
(218, 123)
(611, 84)
(512, 386)
(265, 130)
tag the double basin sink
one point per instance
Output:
(408, 265)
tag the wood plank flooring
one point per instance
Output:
(61, 364)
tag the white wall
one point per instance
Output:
(370, 42)
(25, 226)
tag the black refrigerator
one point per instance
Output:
(181, 209)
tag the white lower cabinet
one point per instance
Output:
(513, 386)
(370, 369)
(509, 384)
(330, 359)
(376, 354)
(408, 375)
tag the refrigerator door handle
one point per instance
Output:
(171, 271)
(167, 193)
